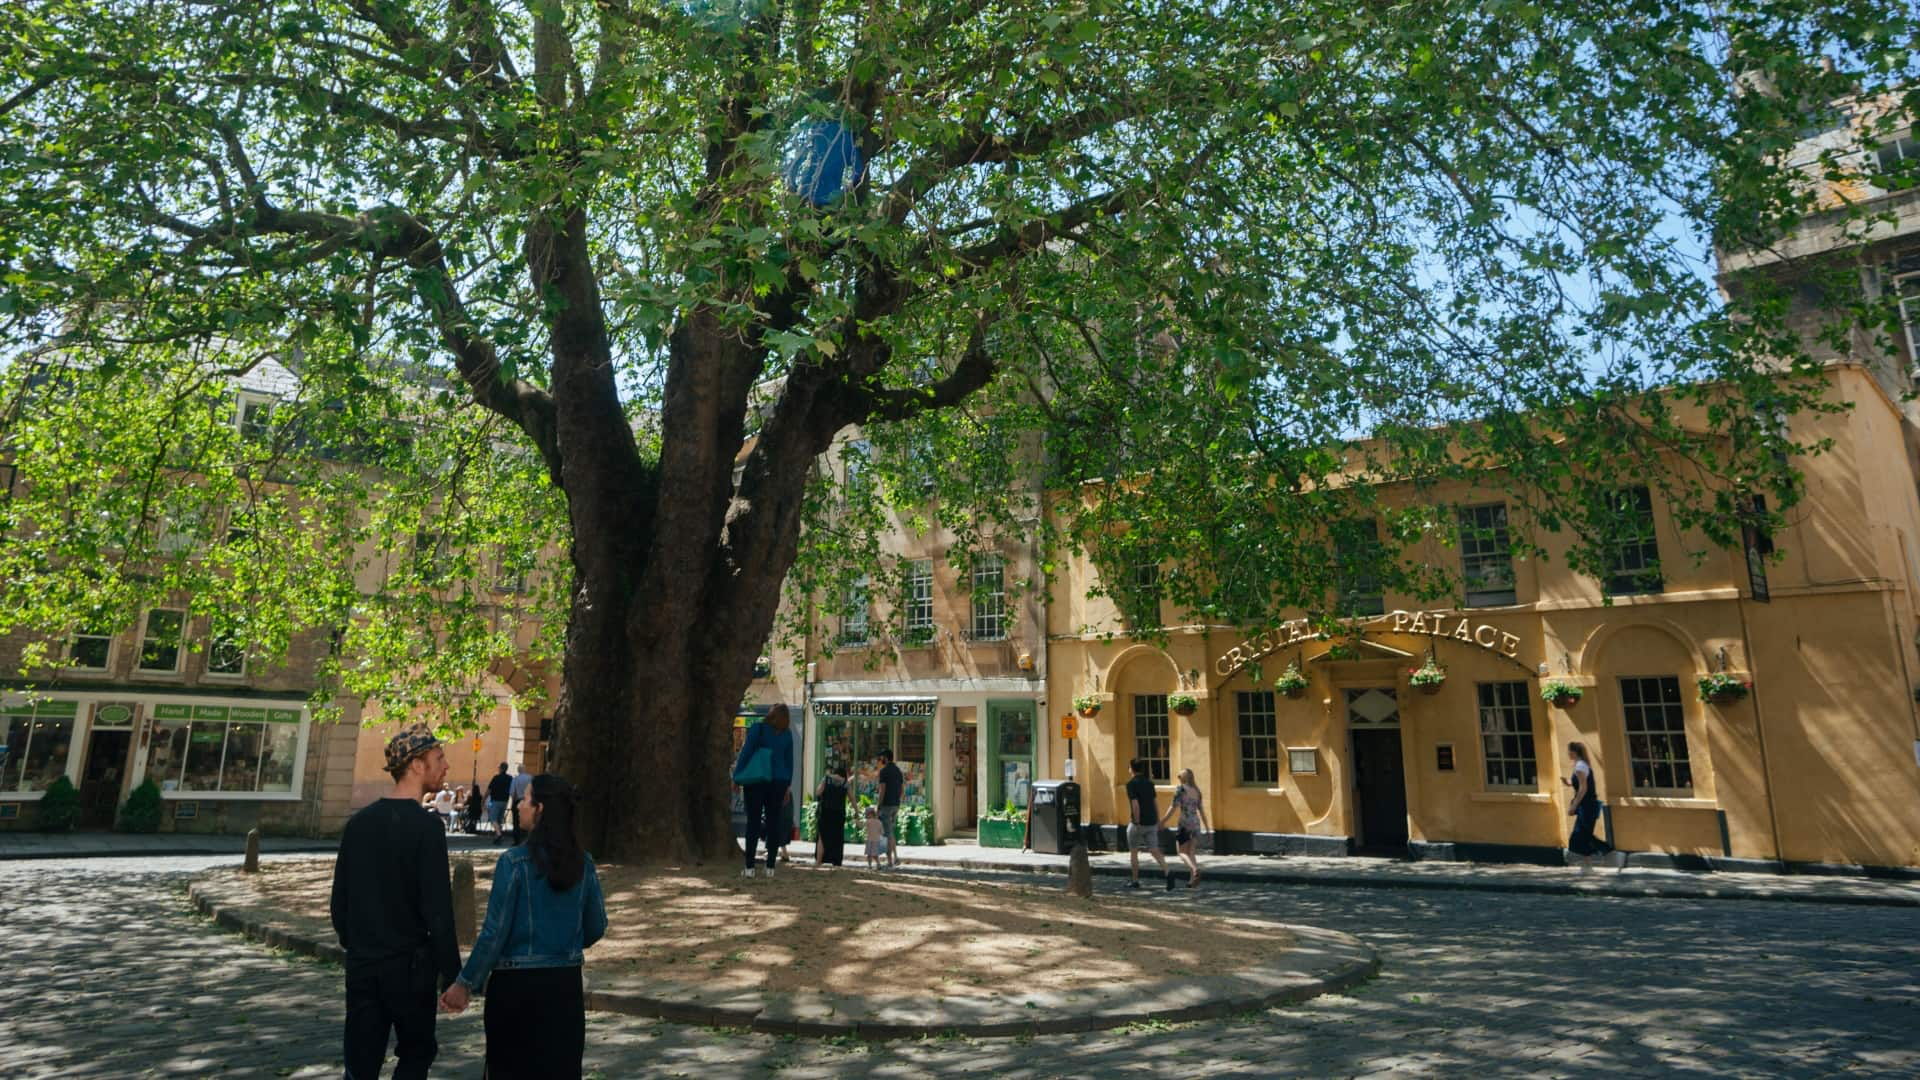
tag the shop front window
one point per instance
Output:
(907, 739)
(215, 748)
(39, 740)
(206, 743)
(167, 748)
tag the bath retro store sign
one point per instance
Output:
(1437, 624)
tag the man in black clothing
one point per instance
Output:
(499, 790)
(892, 784)
(393, 911)
(1143, 824)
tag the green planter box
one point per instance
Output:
(1007, 834)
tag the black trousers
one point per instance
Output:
(763, 816)
(393, 998)
(536, 1024)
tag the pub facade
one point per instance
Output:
(1307, 741)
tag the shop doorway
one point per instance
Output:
(102, 777)
(1379, 774)
(966, 777)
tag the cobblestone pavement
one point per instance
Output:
(114, 976)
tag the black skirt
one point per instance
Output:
(831, 828)
(536, 1024)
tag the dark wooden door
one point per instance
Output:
(101, 779)
(1381, 789)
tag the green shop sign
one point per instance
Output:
(172, 712)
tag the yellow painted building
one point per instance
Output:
(1820, 764)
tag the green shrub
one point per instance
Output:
(141, 814)
(60, 806)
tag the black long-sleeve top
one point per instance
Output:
(390, 890)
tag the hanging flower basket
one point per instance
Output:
(1184, 704)
(1561, 695)
(1292, 682)
(1428, 678)
(1087, 705)
(1723, 688)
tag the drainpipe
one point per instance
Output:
(1760, 734)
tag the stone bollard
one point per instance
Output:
(464, 926)
(1079, 873)
(252, 865)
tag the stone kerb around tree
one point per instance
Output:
(878, 956)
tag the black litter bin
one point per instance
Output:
(1055, 816)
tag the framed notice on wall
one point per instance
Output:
(1443, 757)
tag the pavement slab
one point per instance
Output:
(126, 980)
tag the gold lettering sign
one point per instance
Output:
(1439, 624)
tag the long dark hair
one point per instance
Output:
(553, 846)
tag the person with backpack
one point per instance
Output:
(545, 910)
(764, 772)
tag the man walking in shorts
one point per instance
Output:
(1143, 824)
(892, 784)
(499, 790)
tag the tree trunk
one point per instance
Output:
(673, 601)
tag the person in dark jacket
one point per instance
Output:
(546, 909)
(499, 790)
(830, 821)
(764, 797)
(392, 909)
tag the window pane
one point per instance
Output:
(226, 656)
(160, 650)
(1506, 726)
(910, 753)
(1634, 564)
(43, 758)
(167, 752)
(91, 650)
(920, 595)
(1486, 555)
(1656, 734)
(989, 599)
(240, 771)
(1016, 733)
(1150, 736)
(853, 618)
(205, 744)
(276, 757)
(1259, 739)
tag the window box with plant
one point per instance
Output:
(1292, 682)
(1004, 828)
(1184, 704)
(1428, 678)
(1724, 688)
(1561, 695)
(1087, 705)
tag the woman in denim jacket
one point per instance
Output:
(544, 911)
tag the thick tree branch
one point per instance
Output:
(395, 235)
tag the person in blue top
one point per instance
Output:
(545, 910)
(764, 797)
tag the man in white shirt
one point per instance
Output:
(443, 805)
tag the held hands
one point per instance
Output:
(455, 1000)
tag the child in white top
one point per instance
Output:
(876, 838)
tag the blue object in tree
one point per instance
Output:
(823, 161)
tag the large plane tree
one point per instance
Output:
(606, 277)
